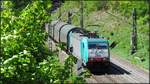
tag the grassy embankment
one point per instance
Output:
(117, 29)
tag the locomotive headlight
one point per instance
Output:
(105, 53)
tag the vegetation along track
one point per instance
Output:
(120, 71)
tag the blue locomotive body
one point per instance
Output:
(89, 50)
(86, 49)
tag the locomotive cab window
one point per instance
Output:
(97, 45)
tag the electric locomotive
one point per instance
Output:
(88, 48)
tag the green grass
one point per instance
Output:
(121, 34)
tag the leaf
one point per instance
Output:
(10, 60)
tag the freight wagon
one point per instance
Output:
(88, 48)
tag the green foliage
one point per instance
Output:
(68, 71)
(126, 7)
(101, 5)
(62, 45)
(89, 6)
(25, 59)
(21, 44)
(50, 71)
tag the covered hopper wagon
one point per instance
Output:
(89, 49)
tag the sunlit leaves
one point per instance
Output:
(20, 42)
(25, 57)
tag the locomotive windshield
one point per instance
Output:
(97, 45)
(98, 49)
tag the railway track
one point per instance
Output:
(119, 71)
(110, 76)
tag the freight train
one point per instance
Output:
(87, 47)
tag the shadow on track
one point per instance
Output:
(113, 69)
